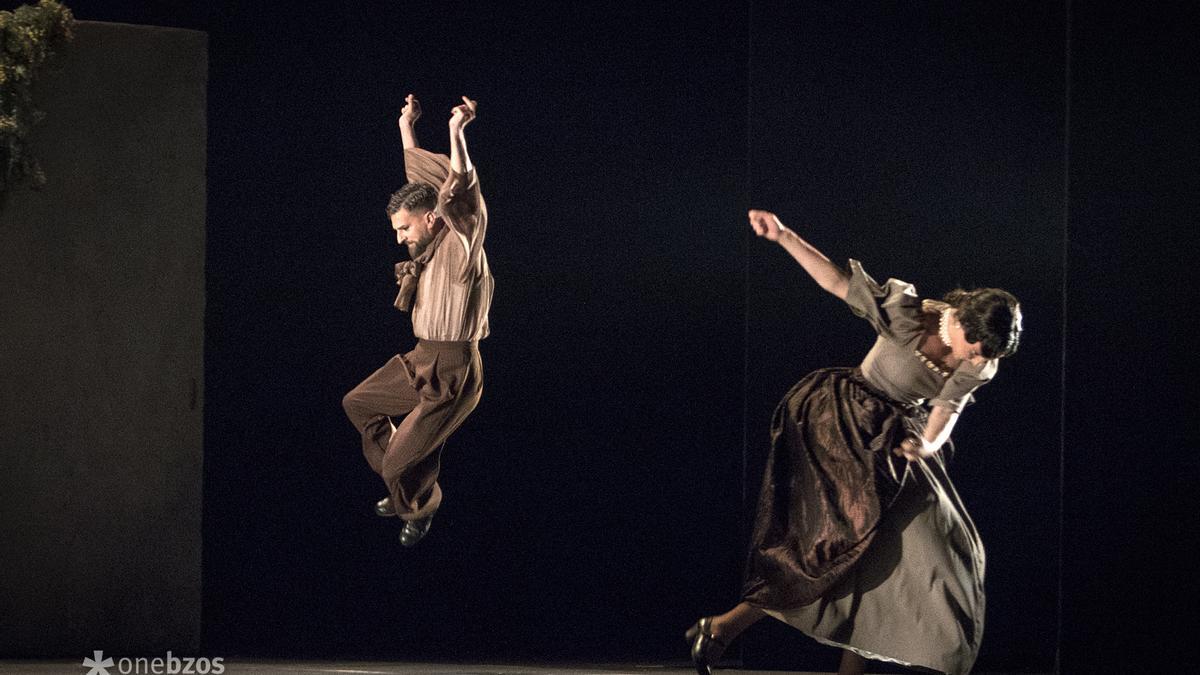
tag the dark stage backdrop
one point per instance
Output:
(1131, 435)
(595, 499)
(101, 364)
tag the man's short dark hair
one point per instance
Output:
(414, 198)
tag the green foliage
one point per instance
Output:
(29, 36)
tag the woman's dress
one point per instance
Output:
(852, 545)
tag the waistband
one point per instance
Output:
(457, 345)
(911, 408)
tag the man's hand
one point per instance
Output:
(462, 115)
(411, 111)
(408, 116)
(766, 224)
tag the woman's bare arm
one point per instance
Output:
(829, 276)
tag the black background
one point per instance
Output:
(595, 501)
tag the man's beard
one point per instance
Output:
(416, 248)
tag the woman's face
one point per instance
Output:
(960, 348)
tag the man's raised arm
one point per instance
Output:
(420, 166)
(460, 117)
(409, 115)
(460, 199)
(460, 195)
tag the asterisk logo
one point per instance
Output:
(98, 664)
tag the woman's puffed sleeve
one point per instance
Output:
(956, 392)
(893, 309)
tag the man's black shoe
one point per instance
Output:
(414, 530)
(383, 507)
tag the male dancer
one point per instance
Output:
(441, 217)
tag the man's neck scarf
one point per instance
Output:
(409, 271)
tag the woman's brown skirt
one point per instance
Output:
(856, 547)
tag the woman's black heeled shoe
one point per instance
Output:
(706, 649)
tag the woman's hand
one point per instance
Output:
(913, 448)
(766, 225)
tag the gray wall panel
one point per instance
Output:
(101, 354)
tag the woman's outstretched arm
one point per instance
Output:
(830, 277)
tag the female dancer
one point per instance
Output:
(860, 540)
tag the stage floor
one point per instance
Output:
(263, 667)
(256, 667)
